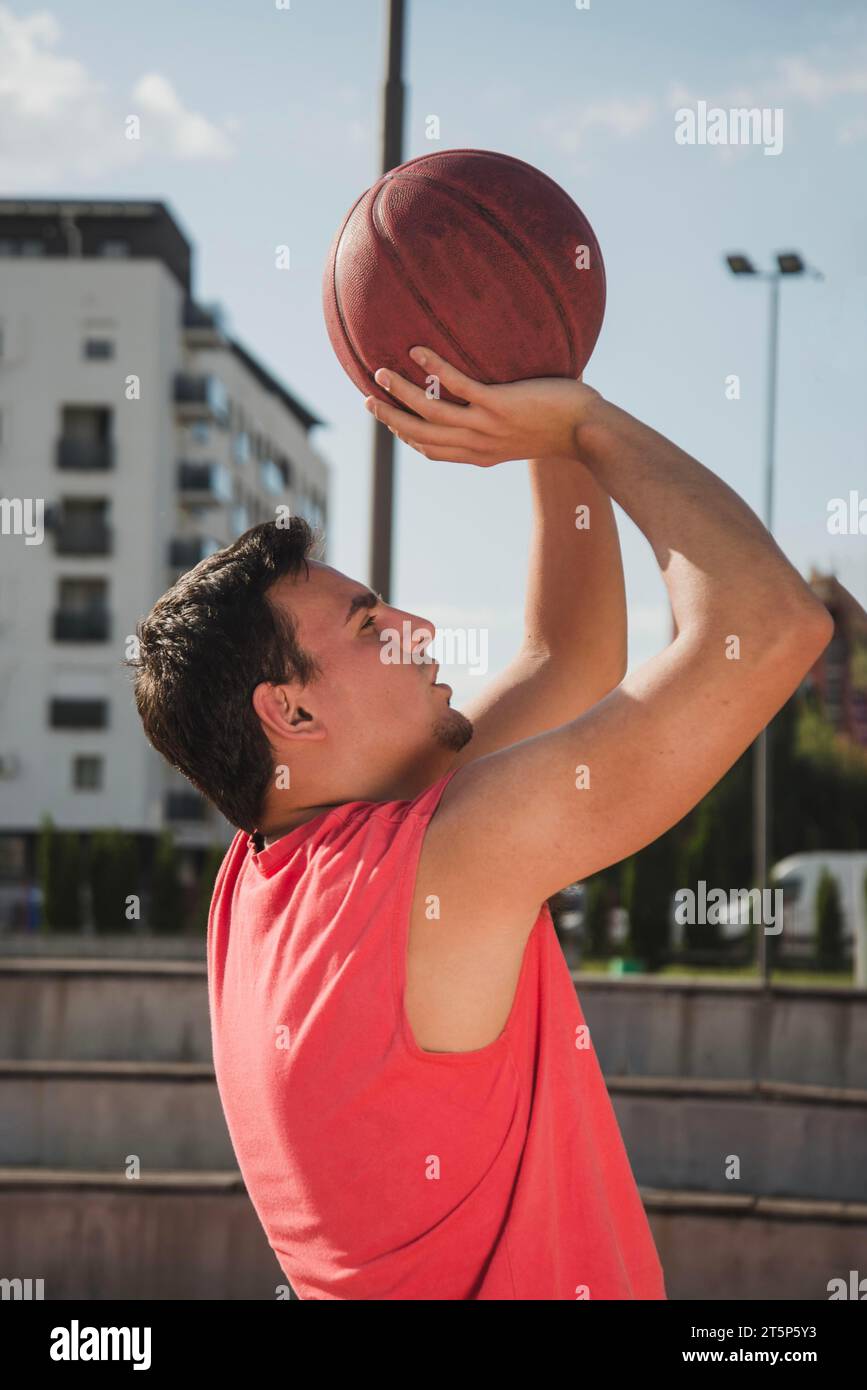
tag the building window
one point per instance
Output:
(75, 713)
(30, 247)
(81, 527)
(13, 856)
(85, 438)
(272, 478)
(114, 249)
(87, 772)
(241, 448)
(82, 611)
(98, 349)
(205, 481)
(185, 805)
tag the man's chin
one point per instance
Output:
(453, 730)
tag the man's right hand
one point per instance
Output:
(537, 418)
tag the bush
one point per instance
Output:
(167, 893)
(829, 923)
(58, 857)
(114, 876)
(205, 889)
(646, 892)
(596, 915)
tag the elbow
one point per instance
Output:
(619, 672)
(807, 628)
(611, 677)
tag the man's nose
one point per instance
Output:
(417, 633)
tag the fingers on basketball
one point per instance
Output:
(451, 378)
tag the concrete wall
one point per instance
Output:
(744, 1116)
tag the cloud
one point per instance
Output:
(803, 80)
(186, 134)
(852, 131)
(58, 123)
(795, 79)
(568, 128)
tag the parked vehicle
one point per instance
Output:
(799, 877)
(568, 908)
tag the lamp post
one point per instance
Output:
(383, 440)
(788, 263)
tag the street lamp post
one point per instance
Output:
(788, 263)
(382, 506)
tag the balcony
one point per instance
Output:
(78, 714)
(77, 535)
(201, 398)
(203, 327)
(185, 806)
(87, 626)
(204, 482)
(85, 455)
(187, 551)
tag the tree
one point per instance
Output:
(205, 889)
(167, 893)
(59, 874)
(647, 888)
(114, 876)
(829, 923)
(596, 915)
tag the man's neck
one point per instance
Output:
(414, 782)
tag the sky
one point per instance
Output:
(260, 128)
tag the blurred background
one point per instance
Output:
(170, 182)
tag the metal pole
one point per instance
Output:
(772, 401)
(383, 439)
(762, 747)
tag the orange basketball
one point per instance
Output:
(474, 254)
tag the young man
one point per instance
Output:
(414, 1102)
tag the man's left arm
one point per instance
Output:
(574, 647)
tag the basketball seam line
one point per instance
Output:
(535, 266)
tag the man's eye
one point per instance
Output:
(368, 622)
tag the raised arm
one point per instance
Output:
(560, 806)
(516, 826)
(573, 649)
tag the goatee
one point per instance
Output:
(453, 730)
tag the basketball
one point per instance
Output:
(477, 255)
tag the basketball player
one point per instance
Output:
(414, 1100)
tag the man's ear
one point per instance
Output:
(285, 713)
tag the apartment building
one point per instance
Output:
(151, 437)
(840, 674)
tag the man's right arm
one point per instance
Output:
(516, 826)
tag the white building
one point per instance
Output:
(153, 438)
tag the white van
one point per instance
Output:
(799, 876)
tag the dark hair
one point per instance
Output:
(203, 649)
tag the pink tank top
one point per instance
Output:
(381, 1171)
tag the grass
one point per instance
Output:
(840, 979)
